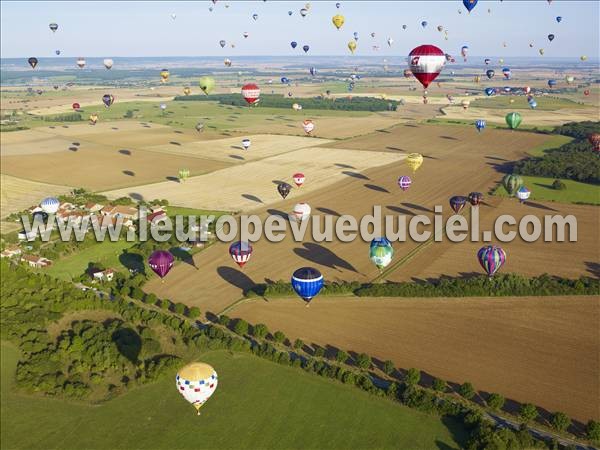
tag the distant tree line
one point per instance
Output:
(320, 102)
(67, 117)
(501, 285)
(575, 160)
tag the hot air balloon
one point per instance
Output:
(338, 21)
(108, 100)
(381, 252)
(245, 34)
(187, 90)
(108, 63)
(491, 258)
(559, 19)
(569, 79)
(173, 16)
(475, 198)
(313, 71)
(404, 182)
(196, 382)
(301, 212)
(307, 282)
(296, 107)
(426, 63)
(207, 84)
(523, 194)
(594, 139)
(457, 203)
(513, 120)
(33, 61)
(298, 179)
(463, 51)
(586, 92)
(251, 93)
(532, 103)
(50, 205)
(284, 189)
(551, 83)
(308, 126)
(306, 48)
(550, 37)
(506, 72)
(476, 79)
(164, 75)
(424, 24)
(246, 143)
(227, 62)
(440, 28)
(161, 262)
(352, 46)
(81, 62)
(390, 41)
(240, 252)
(76, 106)
(526, 90)
(53, 27)
(93, 119)
(487, 61)
(414, 161)
(184, 174)
(407, 73)
(290, 13)
(222, 43)
(255, 16)
(480, 125)
(294, 44)
(465, 104)
(373, 35)
(57, 52)
(490, 73)
(303, 12)
(583, 58)
(512, 183)
(470, 4)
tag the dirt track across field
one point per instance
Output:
(542, 350)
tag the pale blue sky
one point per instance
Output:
(147, 29)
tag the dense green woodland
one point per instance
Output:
(575, 160)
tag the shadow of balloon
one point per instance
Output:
(183, 255)
(331, 212)
(357, 175)
(237, 147)
(400, 210)
(374, 187)
(277, 212)
(128, 343)
(344, 166)
(593, 268)
(277, 182)
(129, 173)
(125, 152)
(450, 138)
(539, 206)
(495, 158)
(73, 149)
(415, 206)
(241, 158)
(76, 144)
(251, 197)
(136, 196)
(174, 179)
(395, 149)
(235, 277)
(134, 262)
(429, 157)
(318, 254)
(178, 132)
(174, 143)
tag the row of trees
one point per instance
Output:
(574, 160)
(320, 103)
(478, 286)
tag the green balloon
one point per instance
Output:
(207, 84)
(512, 183)
(513, 120)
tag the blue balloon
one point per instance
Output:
(480, 124)
(532, 103)
(559, 19)
(551, 83)
(490, 73)
(313, 71)
(490, 91)
(424, 23)
(305, 48)
(294, 44)
(290, 13)
(307, 282)
(470, 4)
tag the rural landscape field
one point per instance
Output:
(288, 225)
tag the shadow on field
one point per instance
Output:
(504, 167)
(539, 206)
(429, 157)
(415, 206)
(277, 212)
(174, 143)
(73, 149)
(320, 255)
(134, 262)
(374, 187)
(344, 166)
(125, 152)
(331, 212)
(174, 179)
(277, 182)
(183, 256)
(593, 268)
(450, 138)
(76, 144)
(238, 157)
(495, 158)
(357, 175)
(251, 197)
(397, 209)
(129, 173)
(128, 343)
(237, 147)
(235, 277)
(136, 196)
(547, 186)
(397, 149)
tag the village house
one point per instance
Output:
(126, 212)
(156, 217)
(37, 262)
(103, 275)
(10, 252)
(93, 207)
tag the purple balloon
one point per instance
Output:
(161, 262)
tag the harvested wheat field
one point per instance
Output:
(543, 350)
(253, 185)
(19, 194)
(453, 166)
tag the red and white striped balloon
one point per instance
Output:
(426, 63)
(251, 93)
(308, 126)
(298, 179)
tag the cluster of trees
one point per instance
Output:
(66, 117)
(574, 160)
(478, 286)
(279, 101)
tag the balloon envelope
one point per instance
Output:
(240, 252)
(307, 282)
(491, 258)
(161, 262)
(196, 382)
(381, 252)
(50, 205)
(426, 63)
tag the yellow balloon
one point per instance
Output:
(414, 161)
(583, 57)
(352, 46)
(164, 75)
(338, 21)
(93, 118)
(187, 90)
(477, 79)
(541, 51)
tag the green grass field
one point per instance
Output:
(258, 405)
(555, 141)
(541, 189)
(545, 103)
(106, 253)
